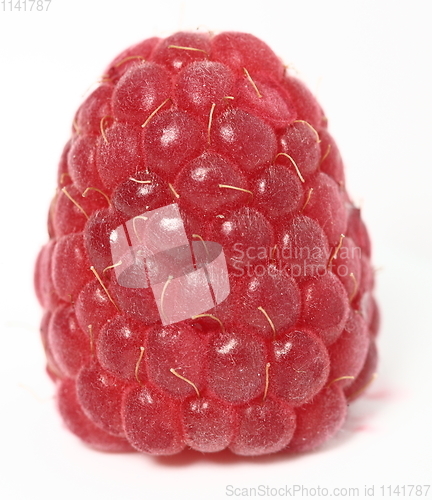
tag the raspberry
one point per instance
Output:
(207, 282)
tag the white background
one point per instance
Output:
(369, 64)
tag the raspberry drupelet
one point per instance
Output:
(216, 126)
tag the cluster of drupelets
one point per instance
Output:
(218, 126)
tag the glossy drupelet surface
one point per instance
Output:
(218, 126)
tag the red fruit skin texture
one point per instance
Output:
(208, 423)
(67, 341)
(77, 422)
(217, 125)
(264, 427)
(319, 419)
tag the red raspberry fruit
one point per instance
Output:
(216, 128)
